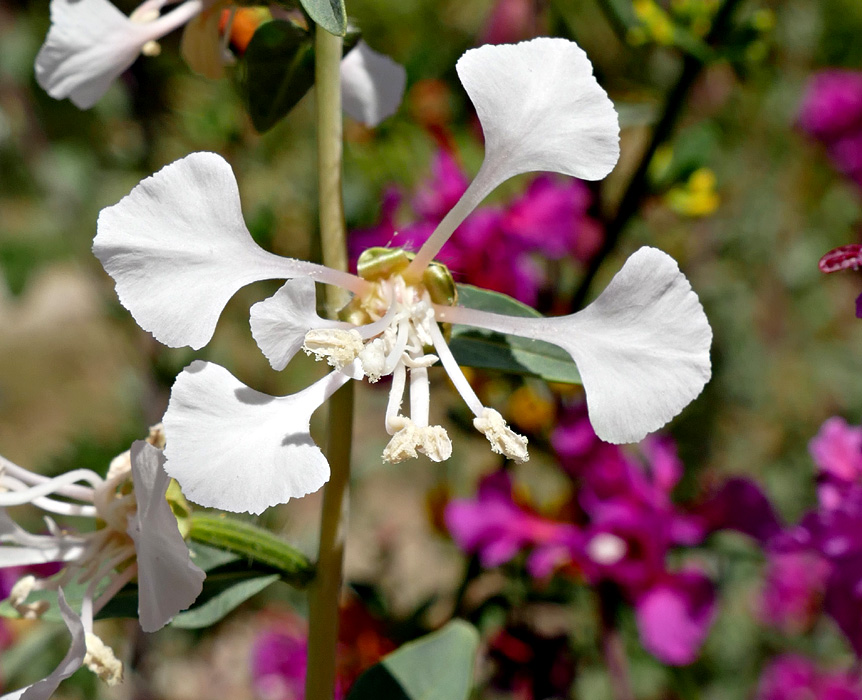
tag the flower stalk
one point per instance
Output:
(325, 589)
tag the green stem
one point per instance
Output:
(612, 644)
(637, 187)
(254, 544)
(325, 590)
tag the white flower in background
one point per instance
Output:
(178, 249)
(90, 43)
(136, 538)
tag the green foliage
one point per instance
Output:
(221, 596)
(438, 666)
(507, 353)
(278, 71)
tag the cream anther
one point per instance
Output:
(18, 595)
(100, 659)
(410, 440)
(373, 359)
(337, 346)
(503, 439)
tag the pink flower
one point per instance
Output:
(496, 528)
(793, 592)
(837, 452)
(792, 677)
(675, 615)
(832, 105)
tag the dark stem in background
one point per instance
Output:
(637, 187)
(612, 643)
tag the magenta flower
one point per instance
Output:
(794, 587)
(278, 662)
(832, 105)
(831, 112)
(496, 528)
(791, 676)
(837, 452)
(675, 616)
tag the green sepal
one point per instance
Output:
(254, 544)
(438, 666)
(485, 349)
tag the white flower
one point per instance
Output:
(90, 43)
(178, 249)
(136, 537)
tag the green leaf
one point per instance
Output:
(279, 71)
(438, 666)
(222, 595)
(329, 14)
(484, 349)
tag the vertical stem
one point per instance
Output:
(612, 644)
(325, 589)
(637, 187)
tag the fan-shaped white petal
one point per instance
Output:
(234, 448)
(541, 108)
(178, 250)
(642, 347)
(91, 42)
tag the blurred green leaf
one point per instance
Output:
(279, 71)
(438, 666)
(329, 14)
(224, 593)
(484, 349)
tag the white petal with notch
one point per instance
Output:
(178, 250)
(541, 109)
(642, 347)
(234, 448)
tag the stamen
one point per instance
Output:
(48, 504)
(81, 493)
(449, 363)
(503, 439)
(394, 421)
(432, 441)
(100, 659)
(18, 498)
(337, 346)
(420, 397)
(398, 349)
(228, 28)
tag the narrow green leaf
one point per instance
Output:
(278, 71)
(254, 544)
(484, 349)
(236, 590)
(329, 14)
(438, 666)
